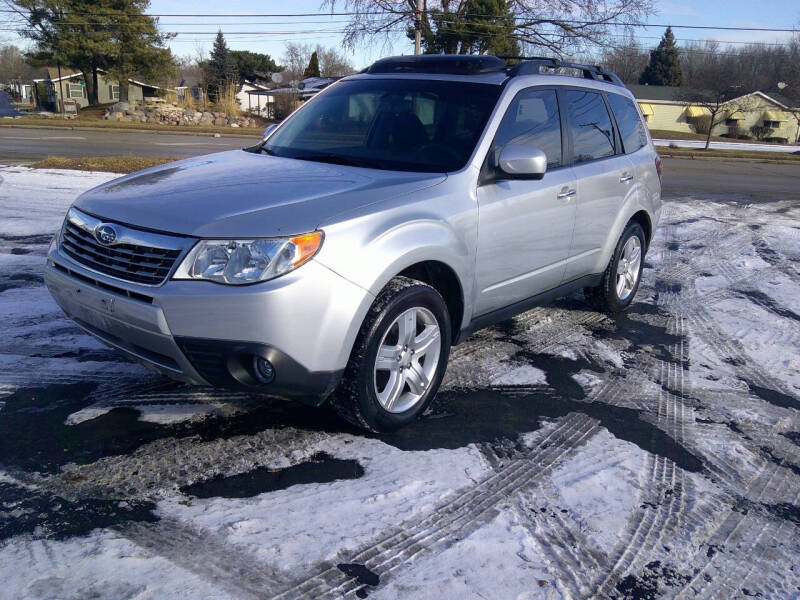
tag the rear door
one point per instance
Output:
(604, 176)
(525, 226)
(635, 143)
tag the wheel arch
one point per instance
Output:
(444, 280)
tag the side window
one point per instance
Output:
(630, 125)
(590, 125)
(533, 118)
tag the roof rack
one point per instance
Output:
(470, 64)
(533, 65)
(449, 64)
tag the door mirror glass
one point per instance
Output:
(270, 128)
(522, 161)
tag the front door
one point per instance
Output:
(605, 178)
(525, 226)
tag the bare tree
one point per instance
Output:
(627, 59)
(718, 98)
(295, 59)
(333, 63)
(563, 27)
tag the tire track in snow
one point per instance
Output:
(453, 520)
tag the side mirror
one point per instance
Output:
(270, 128)
(522, 161)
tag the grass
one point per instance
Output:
(109, 164)
(736, 155)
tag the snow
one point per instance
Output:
(29, 208)
(524, 375)
(728, 145)
(108, 566)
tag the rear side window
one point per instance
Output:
(630, 124)
(590, 125)
(533, 118)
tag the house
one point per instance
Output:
(262, 101)
(757, 109)
(53, 90)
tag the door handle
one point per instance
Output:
(626, 178)
(567, 194)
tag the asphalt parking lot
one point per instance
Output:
(569, 455)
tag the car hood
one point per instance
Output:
(244, 194)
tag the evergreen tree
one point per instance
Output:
(221, 63)
(665, 63)
(88, 35)
(312, 70)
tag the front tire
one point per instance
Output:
(622, 276)
(399, 358)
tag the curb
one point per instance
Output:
(755, 159)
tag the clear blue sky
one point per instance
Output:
(270, 34)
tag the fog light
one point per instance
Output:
(264, 370)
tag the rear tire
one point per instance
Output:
(398, 359)
(621, 278)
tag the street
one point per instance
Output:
(569, 454)
(19, 144)
(731, 181)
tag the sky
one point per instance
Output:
(270, 34)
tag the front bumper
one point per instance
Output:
(304, 323)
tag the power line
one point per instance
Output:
(537, 21)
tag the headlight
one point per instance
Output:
(247, 261)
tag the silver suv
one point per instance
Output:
(388, 218)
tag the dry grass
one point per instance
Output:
(109, 164)
(227, 102)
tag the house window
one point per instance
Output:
(74, 90)
(772, 124)
(113, 92)
(732, 122)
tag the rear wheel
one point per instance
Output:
(399, 358)
(622, 276)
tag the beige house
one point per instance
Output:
(757, 109)
(71, 86)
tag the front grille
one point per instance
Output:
(130, 262)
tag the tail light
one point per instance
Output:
(659, 168)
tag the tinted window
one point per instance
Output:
(532, 118)
(590, 125)
(394, 124)
(630, 124)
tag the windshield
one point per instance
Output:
(396, 124)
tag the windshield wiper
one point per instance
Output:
(336, 159)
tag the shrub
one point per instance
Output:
(702, 124)
(760, 132)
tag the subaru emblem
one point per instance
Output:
(105, 234)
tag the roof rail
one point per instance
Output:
(533, 65)
(451, 64)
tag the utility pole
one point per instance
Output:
(418, 15)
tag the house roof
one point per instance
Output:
(653, 92)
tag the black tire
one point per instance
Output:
(356, 399)
(604, 297)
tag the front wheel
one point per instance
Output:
(621, 279)
(399, 358)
